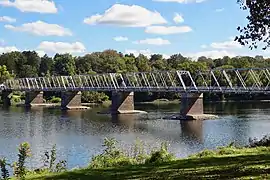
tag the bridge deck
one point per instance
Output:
(249, 80)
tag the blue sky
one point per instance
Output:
(190, 27)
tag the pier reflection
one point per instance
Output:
(192, 130)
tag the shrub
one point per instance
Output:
(55, 100)
(111, 156)
(19, 167)
(15, 99)
(161, 155)
(4, 170)
(94, 97)
(50, 159)
(205, 153)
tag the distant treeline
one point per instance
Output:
(30, 64)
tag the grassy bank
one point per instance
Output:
(225, 163)
(230, 162)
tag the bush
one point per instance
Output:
(15, 99)
(94, 97)
(161, 155)
(205, 153)
(111, 156)
(55, 100)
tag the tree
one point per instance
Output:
(142, 63)
(46, 66)
(4, 74)
(258, 27)
(175, 60)
(64, 64)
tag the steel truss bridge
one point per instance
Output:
(239, 80)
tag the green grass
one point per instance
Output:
(224, 163)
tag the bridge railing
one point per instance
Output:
(244, 80)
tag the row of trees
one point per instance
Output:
(29, 64)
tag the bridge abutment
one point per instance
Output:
(33, 98)
(71, 100)
(6, 97)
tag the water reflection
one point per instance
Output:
(79, 134)
(192, 130)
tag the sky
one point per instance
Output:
(193, 28)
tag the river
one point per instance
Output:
(79, 134)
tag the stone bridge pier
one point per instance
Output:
(191, 107)
(33, 98)
(71, 100)
(123, 103)
(6, 96)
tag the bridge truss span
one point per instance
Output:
(244, 80)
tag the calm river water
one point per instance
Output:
(79, 134)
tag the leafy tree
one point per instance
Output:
(46, 66)
(175, 60)
(4, 74)
(32, 59)
(84, 64)
(142, 63)
(257, 29)
(64, 64)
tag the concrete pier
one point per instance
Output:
(72, 100)
(123, 103)
(6, 96)
(33, 98)
(191, 107)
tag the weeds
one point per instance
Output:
(4, 170)
(19, 167)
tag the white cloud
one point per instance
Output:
(225, 45)
(178, 18)
(163, 30)
(40, 53)
(5, 49)
(39, 6)
(120, 38)
(181, 1)
(146, 52)
(41, 28)
(125, 15)
(220, 10)
(61, 47)
(153, 41)
(210, 54)
(7, 19)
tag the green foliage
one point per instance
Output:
(139, 152)
(4, 74)
(94, 97)
(55, 100)
(15, 99)
(111, 156)
(4, 170)
(160, 156)
(50, 160)
(205, 153)
(257, 29)
(19, 167)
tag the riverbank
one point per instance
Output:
(224, 163)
